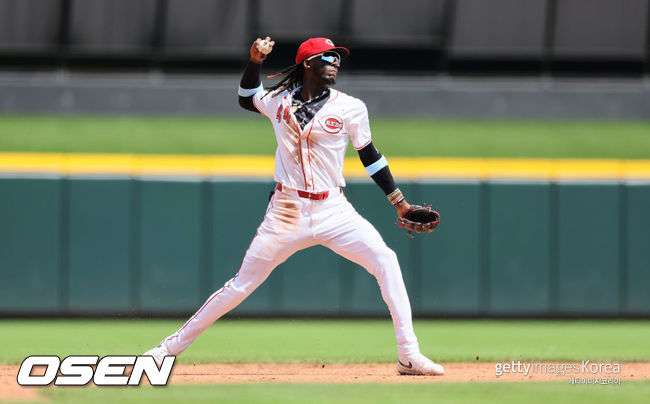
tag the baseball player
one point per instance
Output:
(313, 124)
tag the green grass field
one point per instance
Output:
(334, 341)
(343, 341)
(505, 393)
(394, 137)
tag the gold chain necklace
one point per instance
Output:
(295, 108)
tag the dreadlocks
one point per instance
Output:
(292, 79)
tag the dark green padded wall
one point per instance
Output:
(32, 273)
(518, 245)
(637, 275)
(128, 245)
(588, 248)
(449, 258)
(100, 243)
(170, 245)
(236, 210)
(310, 283)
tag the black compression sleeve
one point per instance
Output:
(250, 79)
(251, 76)
(369, 154)
(383, 178)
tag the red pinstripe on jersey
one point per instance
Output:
(311, 172)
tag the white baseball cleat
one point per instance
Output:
(418, 364)
(158, 353)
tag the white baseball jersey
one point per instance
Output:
(311, 159)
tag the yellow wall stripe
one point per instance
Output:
(262, 166)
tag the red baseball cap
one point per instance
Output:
(314, 46)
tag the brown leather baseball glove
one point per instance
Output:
(419, 219)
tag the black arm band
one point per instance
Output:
(250, 79)
(383, 178)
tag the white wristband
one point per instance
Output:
(247, 92)
(376, 166)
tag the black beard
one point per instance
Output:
(329, 80)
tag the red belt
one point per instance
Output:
(317, 196)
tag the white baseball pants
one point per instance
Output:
(293, 223)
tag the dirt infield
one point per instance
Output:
(371, 373)
(387, 373)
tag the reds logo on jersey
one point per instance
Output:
(331, 124)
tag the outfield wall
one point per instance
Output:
(405, 96)
(130, 245)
